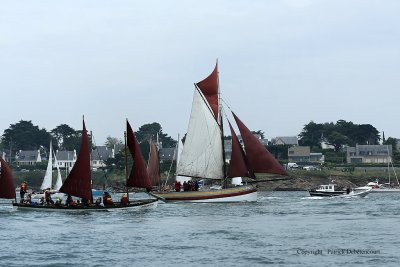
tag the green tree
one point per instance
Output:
(112, 141)
(150, 131)
(336, 139)
(25, 136)
(63, 134)
(311, 135)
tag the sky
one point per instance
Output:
(282, 63)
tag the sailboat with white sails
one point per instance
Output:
(203, 155)
(47, 183)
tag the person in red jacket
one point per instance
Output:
(177, 186)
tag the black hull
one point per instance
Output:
(132, 204)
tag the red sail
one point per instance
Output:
(78, 182)
(237, 165)
(7, 187)
(138, 176)
(259, 159)
(153, 165)
(209, 88)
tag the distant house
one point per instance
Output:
(299, 154)
(325, 145)
(369, 154)
(66, 159)
(285, 140)
(28, 157)
(100, 155)
(118, 148)
(303, 154)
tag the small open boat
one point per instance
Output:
(79, 182)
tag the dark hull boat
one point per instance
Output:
(79, 181)
(143, 203)
(330, 191)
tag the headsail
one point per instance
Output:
(259, 159)
(7, 187)
(58, 184)
(153, 166)
(237, 166)
(48, 176)
(202, 154)
(78, 182)
(178, 153)
(138, 176)
(209, 87)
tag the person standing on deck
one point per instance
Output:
(22, 191)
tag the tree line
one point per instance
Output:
(339, 134)
(24, 135)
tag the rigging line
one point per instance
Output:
(172, 162)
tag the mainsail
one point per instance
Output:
(202, 154)
(138, 176)
(7, 187)
(209, 87)
(259, 159)
(78, 182)
(153, 166)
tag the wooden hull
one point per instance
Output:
(143, 203)
(236, 194)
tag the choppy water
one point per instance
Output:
(282, 229)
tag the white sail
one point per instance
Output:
(179, 149)
(202, 153)
(58, 184)
(47, 180)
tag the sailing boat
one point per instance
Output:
(48, 178)
(79, 184)
(7, 187)
(203, 154)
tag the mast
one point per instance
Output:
(126, 166)
(388, 169)
(225, 180)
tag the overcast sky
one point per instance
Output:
(282, 63)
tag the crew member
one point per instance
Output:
(107, 200)
(47, 197)
(22, 191)
(124, 200)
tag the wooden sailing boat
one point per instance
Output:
(203, 154)
(79, 184)
(7, 187)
